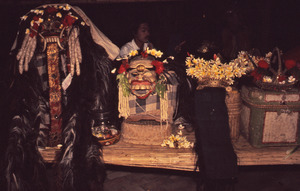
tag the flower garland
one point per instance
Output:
(214, 70)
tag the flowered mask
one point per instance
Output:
(139, 73)
(141, 77)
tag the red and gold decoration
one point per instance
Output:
(54, 94)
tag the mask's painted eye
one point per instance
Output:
(134, 74)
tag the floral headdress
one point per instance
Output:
(36, 21)
(157, 54)
(213, 73)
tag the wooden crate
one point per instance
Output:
(270, 118)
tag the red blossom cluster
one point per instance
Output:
(159, 66)
(289, 64)
(259, 72)
(124, 66)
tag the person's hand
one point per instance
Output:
(150, 45)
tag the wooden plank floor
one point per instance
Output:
(183, 159)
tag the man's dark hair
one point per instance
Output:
(135, 25)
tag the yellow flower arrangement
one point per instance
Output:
(177, 141)
(215, 71)
(153, 52)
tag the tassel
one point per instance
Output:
(123, 105)
(164, 107)
(26, 52)
(75, 52)
(72, 52)
(30, 51)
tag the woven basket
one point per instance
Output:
(145, 132)
(209, 82)
(275, 84)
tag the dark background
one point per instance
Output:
(269, 24)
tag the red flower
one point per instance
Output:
(124, 66)
(35, 26)
(51, 10)
(263, 64)
(290, 64)
(68, 20)
(215, 57)
(144, 54)
(36, 18)
(281, 78)
(256, 75)
(33, 33)
(159, 66)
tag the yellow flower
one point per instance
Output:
(82, 23)
(24, 17)
(27, 31)
(171, 145)
(153, 52)
(158, 54)
(228, 74)
(188, 63)
(41, 12)
(191, 71)
(67, 7)
(40, 20)
(133, 53)
(194, 61)
(59, 15)
(148, 51)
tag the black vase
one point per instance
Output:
(217, 160)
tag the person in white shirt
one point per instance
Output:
(140, 41)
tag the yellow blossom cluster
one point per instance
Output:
(177, 141)
(152, 52)
(214, 69)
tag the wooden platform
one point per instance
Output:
(184, 159)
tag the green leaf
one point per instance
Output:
(124, 84)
